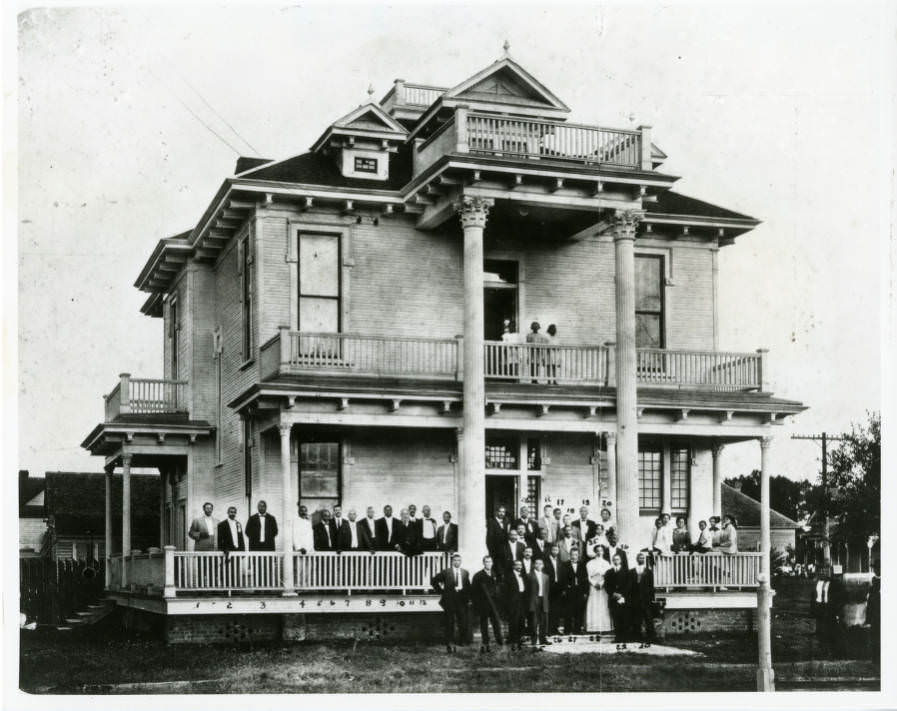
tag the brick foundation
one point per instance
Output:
(682, 622)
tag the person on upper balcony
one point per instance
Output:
(728, 537)
(387, 527)
(681, 536)
(303, 536)
(325, 533)
(660, 541)
(204, 529)
(511, 362)
(261, 529)
(536, 355)
(552, 356)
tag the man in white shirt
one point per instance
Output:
(528, 560)
(386, 527)
(367, 531)
(412, 512)
(303, 540)
(538, 605)
(230, 533)
(426, 528)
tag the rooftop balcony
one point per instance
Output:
(295, 353)
(535, 140)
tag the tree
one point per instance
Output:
(854, 482)
(795, 499)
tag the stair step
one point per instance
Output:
(82, 614)
(97, 607)
(63, 628)
(74, 621)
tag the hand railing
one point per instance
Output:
(707, 570)
(712, 369)
(146, 396)
(545, 363)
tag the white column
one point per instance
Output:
(666, 488)
(125, 518)
(765, 674)
(716, 449)
(108, 553)
(472, 486)
(627, 419)
(286, 526)
(163, 479)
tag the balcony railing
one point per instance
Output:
(703, 570)
(711, 370)
(145, 396)
(352, 354)
(530, 362)
(553, 140)
(295, 352)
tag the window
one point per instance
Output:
(680, 476)
(534, 454)
(365, 165)
(319, 283)
(502, 452)
(649, 278)
(533, 487)
(319, 470)
(173, 340)
(501, 279)
(650, 473)
(246, 295)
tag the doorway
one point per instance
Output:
(501, 490)
(500, 281)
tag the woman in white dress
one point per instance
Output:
(597, 611)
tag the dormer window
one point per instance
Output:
(366, 165)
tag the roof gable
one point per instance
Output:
(505, 81)
(370, 117)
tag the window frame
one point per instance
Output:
(339, 277)
(661, 311)
(358, 160)
(649, 507)
(339, 468)
(676, 485)
(174, 336)
(245, 263)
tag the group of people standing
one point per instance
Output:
(666, 540)
(407, 534)
(546, 576)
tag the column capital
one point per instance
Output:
(716, 448)
(285, 429)
(611, 437)
(626, 222)
(473, 210)
(766, 442)
(126, 460)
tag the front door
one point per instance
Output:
(501, 490)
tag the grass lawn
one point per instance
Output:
(109, 659)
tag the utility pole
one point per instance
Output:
(824, 438)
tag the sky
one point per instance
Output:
(130, 117)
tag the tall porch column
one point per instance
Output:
(716, 450)
(611, 493)
(627, 420)
(107, 554)
(125, 517)
(765, 676)
(286, 526)
(472, 485)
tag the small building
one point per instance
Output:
(62, 514)
(746, 511)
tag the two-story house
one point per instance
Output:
(349, 325)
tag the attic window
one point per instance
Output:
(365, 165)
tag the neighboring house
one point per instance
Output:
(74, 503)
(853, 555)
(746, 511)
(333, 326)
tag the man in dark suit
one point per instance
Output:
(574, 592)
(642, 600)
(386, 530)
(618, 586)
(324, 533)
(538, 605)
(497, 537)
(426, 530)
(539, 545)
(347, 538)
(367, 531)
(584, 527)
(516, 587)
(484, 595)
(453, 585)
(338, 524)
(447, 534)
(530, 525)
(511, 551)
(552, 569)
(406, 535)
(261, 529)
(616, 548)
(230, 533)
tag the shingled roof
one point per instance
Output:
(318, 169)
(746, 510)
(673, 203)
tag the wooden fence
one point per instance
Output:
(707, 570)
(50, 591)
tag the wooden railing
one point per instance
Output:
(353, 571)
(352, 354)
(420, 94)
(702, 369)
(137, 572)
(553, 140)
(210, 571)
(707, 570)
(146, 396)
(558, 364)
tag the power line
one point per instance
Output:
(196, 116)
(824, 438)
(212, 109)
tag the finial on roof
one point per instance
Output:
(631, 117)
(507, 48)
(370, 92)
